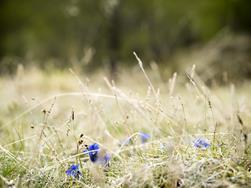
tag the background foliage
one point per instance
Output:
(62, 33)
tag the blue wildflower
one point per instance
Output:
(107, 158)
(73, 171)
(144, 137)
(93, 151)
(96, 155)
(104, 160)
(201, 143)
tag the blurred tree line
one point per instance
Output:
(91, 33)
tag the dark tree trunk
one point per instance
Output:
(114, 40)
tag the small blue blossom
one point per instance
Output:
(93, 151)
(104, 160)
(144, 137)
(107, 158)
(201, 143)
(96, 155)
(73, 171)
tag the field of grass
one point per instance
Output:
(47, 120)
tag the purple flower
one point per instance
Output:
(144, 137)
(201, 143)
(73, 171)
(97, 155)
(93, 151)
(104, 160)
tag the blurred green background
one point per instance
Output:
(91, 34)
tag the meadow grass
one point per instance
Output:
(46, 119)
